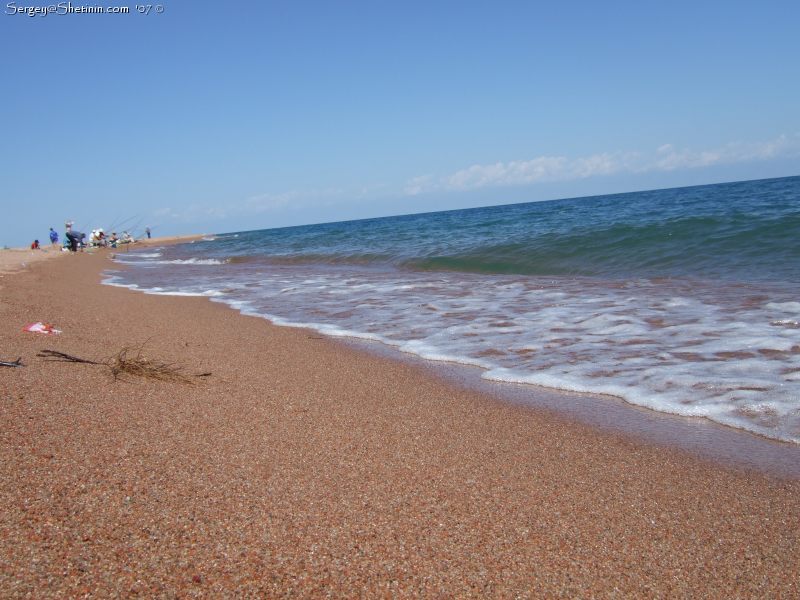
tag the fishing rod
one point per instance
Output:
(121, 225)
(113, 225)
(135, 228)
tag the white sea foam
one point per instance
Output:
(696, 350)
(197, 261)
(142, 259)
(162, 292)
(431, 352)
(785, 307)
(117, 282)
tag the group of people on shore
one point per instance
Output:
(76, 240)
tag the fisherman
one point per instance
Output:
(75, 239)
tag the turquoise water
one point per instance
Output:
(682, 300)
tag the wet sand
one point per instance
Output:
(700, 437)
(304, 467)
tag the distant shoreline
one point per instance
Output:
(16, 259)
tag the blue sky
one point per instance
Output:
(227, 116)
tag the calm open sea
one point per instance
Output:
(684, 301)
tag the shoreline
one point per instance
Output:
(13, 260)
(705, 438)
(301, 466)
(718, 443)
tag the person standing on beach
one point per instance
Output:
(75, 239)
(53, 237)
(147, 231)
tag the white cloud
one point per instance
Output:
(536, 170)
(562, 168)
(670, 159)
(541, 169)
(417, 185)
(191, 213)
(309, 198)
(268, 201)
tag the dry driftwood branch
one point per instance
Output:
(63, 357)
(13, 363)
(130, 361)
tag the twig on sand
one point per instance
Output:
(13, 363)
(129, 361)
(63, 357)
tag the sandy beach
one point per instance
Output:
(302, 467)
(18, 259)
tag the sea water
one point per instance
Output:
(684, 301)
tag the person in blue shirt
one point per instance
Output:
(53, 237)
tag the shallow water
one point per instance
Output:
(680, 301)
